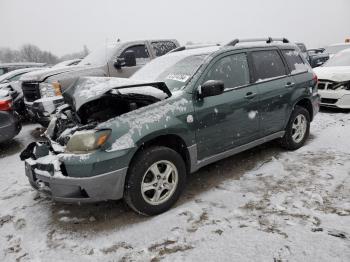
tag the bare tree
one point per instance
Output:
(31, 53)
(8, 55)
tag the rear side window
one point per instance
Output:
(302, 47)
(162, 47)
(268, 65)
(233, 70)
(295, 62)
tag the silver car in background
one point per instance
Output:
(43, 90)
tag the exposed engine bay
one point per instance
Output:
(110, 105)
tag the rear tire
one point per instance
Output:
(298, 129)
(155, 180)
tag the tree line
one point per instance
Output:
(32, 53)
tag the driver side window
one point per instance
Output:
(141, 54)
(233, 70)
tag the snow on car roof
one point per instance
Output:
(19, 71)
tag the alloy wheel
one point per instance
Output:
(159, 182)
(299, 128)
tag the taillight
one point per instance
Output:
(315, 78)
(5, 105)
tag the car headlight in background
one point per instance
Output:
(50, 89)
(83, 142)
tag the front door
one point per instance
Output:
(142, 57)
(230, 119)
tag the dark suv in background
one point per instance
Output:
(138, 138)
(315, 57)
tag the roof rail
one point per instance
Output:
(188, 47)
(268, 40)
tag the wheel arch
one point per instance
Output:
(307, 104)
(171, 141)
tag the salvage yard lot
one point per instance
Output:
(265, 204)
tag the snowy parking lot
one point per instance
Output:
(265, 204)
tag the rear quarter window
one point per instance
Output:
(268, 65)
(295, 62)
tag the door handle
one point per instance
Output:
(290, 84)
(250, 95)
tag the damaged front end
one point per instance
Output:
(334, 94)
(73, 163)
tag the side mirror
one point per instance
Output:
(211, 88)
(119, 63)
(130, 58)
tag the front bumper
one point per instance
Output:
(42, 109)
(335, 99)
(50, 180)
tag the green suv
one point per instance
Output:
(139, 138)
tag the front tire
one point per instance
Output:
(155, 180)
(298, 129)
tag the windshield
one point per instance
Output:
(339, 59)
(174, 70)
(99, 56)
(336, 48)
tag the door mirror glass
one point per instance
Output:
(211, 88)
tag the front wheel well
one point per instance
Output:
(306, 103)
(171, 141)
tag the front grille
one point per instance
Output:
(321, 86)
(31, 91)
(328, 100)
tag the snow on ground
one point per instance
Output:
(265, 204)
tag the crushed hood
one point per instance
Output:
(41, 75)
(87, 89)
(335, 73)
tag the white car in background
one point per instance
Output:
(335, 48)
(334, 81)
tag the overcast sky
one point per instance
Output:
(64, 26)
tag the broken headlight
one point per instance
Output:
(83, 142)
(50, 89)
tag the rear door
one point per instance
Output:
(142, 57)
(227, 120)
(274, 86)
(301, 73)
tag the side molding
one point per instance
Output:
(197, 164)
